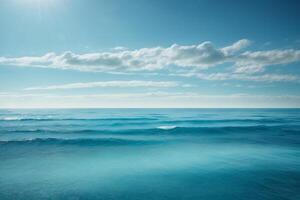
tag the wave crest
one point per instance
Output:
(166, 127)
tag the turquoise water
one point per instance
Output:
(150, 154)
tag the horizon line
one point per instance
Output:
(2, 108)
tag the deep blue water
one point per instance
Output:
(148, 154)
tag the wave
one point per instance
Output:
(80, 141)
(203, 121)
(166, 127)
(140, 121)
(79, 119)
(10, 119)
(170, 129)
(254, 134)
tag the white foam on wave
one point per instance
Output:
(166, 127)
(11, 118)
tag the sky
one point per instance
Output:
(149, 53)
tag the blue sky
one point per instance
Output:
(142, 53)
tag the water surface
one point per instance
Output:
(150, 154)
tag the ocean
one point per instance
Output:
(210, 154)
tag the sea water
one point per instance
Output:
(148, 154)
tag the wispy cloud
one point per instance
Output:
(252, 62)
(224, 76)
(246, 77)
(101, 84)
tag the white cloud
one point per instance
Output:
(190, 58)
(101, 84)
(120, 48)
(200, 56)
(223, 76)
(252, 62)
(247, 77)
(235, 47)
